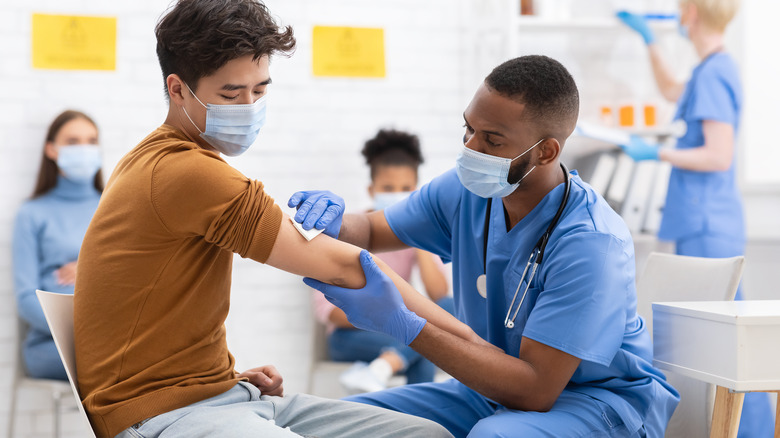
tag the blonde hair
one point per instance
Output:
(715, 14)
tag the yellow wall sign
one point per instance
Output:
(70, 42)
(348, 52)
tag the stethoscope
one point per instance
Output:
(537, 254)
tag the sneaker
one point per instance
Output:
(359, 379)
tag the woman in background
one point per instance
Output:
(703, 210)
(49, 229)
(394, 158)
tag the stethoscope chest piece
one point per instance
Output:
(482, 285)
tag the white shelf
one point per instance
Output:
(530, 23)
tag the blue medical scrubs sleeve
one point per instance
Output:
(581, 308)
(424, 219)
(713, 94)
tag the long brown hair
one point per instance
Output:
(47, 175)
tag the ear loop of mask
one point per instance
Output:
(526, 151)
(185, 109)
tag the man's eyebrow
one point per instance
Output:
(234, 87)
(486, 132)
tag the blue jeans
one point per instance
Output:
(42, 360)
(242, 412)
(349, 345)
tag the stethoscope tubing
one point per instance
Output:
(537, 254)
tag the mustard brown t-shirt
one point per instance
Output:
(153, 284)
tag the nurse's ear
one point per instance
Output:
(549, 151)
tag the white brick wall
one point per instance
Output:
(315, 131)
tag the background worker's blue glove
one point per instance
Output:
(377, 307)
(640, 150)
(318, 209)
(639, 24)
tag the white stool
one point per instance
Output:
(731, 344)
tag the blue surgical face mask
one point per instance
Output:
(79, 163)
(231, 129)
(683, 30)
(385, 199)
(485, 175)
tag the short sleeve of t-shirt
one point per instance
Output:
(581, 309)
(425, 219)
(714, 95)
(196, 193)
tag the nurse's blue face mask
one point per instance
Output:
(231, 129)
(485, 175)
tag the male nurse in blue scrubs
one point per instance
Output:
(703, 210)
(575, 359)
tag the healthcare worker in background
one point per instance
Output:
(703, 209)
(569, 355)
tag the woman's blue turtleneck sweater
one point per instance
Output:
(47, 235)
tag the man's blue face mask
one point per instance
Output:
(485, 175)
(231, 129)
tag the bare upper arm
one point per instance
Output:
(381, 237)
(553, 369)
(322, 258)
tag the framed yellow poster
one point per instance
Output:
(72, 42)
(348, 52)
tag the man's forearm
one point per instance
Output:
(356, 229)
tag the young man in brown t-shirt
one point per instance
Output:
(153, 286)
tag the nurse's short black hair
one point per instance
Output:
(546, 89)
(197, 37)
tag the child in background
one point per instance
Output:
(49, 230)
(394, 158)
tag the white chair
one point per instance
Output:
(57, 388)
(668, 277)
(58, 309)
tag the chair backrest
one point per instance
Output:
(668, 277)
(58, 310)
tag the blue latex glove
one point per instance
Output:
(318, 209)
(377, 307)
(639, 24)
(640, 150)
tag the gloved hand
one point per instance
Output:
(318, 209)
(377, 307)
(639, 24)
(640, 150)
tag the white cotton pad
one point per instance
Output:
(308, 234)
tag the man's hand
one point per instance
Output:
(640, 150)
(66, 275)
(377, 307)
(318, 209)
(266, 378)
(638, 24)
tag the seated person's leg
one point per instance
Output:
(43, 362)
(450, 403)
(314, 416)
(573, 415)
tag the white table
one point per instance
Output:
(732, 344)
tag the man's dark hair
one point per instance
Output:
(392, 148)
(546, 89)
(197, 37)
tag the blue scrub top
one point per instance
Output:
(706, 202)
(582, 300)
